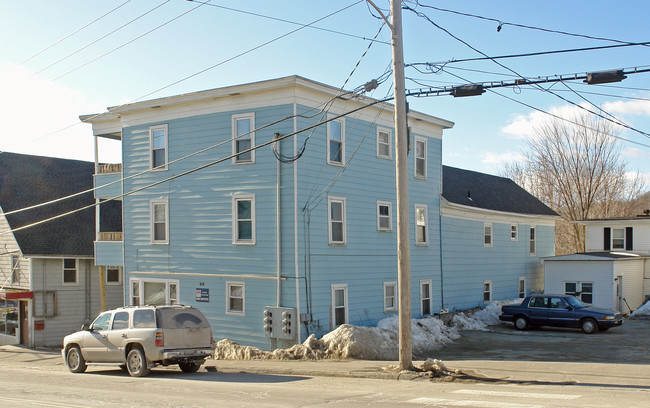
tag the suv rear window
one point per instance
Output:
(144, 319)
(183, 319)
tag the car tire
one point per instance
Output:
(589, 326)
(521, 323)
(75, 361)
(189, 367)
(136, 363)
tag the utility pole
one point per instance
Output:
(401, 182)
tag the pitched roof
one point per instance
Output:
(480, 190)
(28, 180)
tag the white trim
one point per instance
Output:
(426, 224)
(422, 298)
(487, 282)
(514, 228)
(532, 242)
(624, 238)
(76, 270)
(152, 129)
(487, 225)
(207, 275)
(389, 309)
(519, 291)
(119, 276)
(250, 116)
(333, 289)
(141, 283)
(152, 227)
(243, 298)
(453, 210)
(390, 216)
(235, 238)
(416, 140)
(342, 141)
(390, 143)
(341, 200)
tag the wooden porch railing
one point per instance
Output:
(109, 236)
(109, 168)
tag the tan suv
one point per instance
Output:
(138, 338)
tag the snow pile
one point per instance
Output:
(428, 334)
(482, 318)
(644, 310)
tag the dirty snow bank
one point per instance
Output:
(644, 310)
(370, 343)
(482, 318)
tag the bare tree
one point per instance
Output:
(577, 170)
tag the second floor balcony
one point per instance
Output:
(107, 180)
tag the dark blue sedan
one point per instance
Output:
(559, 311)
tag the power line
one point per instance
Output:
(291, 22)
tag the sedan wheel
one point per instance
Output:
(589, 326)
(521, 323)
(136, 363)
(75, 360)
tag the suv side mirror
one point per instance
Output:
(86, 326)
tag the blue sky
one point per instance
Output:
(105, 64)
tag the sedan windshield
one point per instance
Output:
(575, 302)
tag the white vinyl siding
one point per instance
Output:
(158, 147)
(243, 223)
(390, 296)
(421, 225)
(384, 216)
(384, 144)
(243, 138)
(336, 220)
(336, 142)
(159, 222)
(420, 157)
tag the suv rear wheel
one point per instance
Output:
(189, 367)
(136, 363)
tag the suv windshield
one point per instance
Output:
(575, 302)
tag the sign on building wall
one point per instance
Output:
(202, 295)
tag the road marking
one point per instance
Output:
(25, 401)
(470, 403)
(517, 394)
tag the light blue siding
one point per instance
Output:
(107, 185)
(109, 253)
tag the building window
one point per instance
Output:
(113, 276)
(390, 296)
(154, 292)
(243, 227)
(339, 305)
(420, 158)
(15, 269)
(487, 234)
(618, 238)
(487, 291)
(336, 141)
(425, 297)
(384, 216)
(533, 241)
(158, 144)
(70, 271)
(243, 138)
(582, 290)
(384, 147)
(421, 233)
(514, 232)
(336, 220)
(522, 288)
(159, 222)
(235, 298)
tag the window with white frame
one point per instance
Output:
(533, 241)
(113, 275)
(15, 269)
(618, 238)
(390, 296)
(522, 288)
(243, 227)
(339, 305)
(70, 274)
(487, 234)
(235, 298)
(159, 222)
(420, 157)
(243, 138)
(487, 291)
(582, 290)
(421, 231)
(384, 145)
(336, 220)
(154, 292)
(514, 232)
(158, 146)
(336, 141)
(384, 216)
(425, 297)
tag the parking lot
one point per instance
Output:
(626, 344)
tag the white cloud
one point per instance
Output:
(628, 107)
(523, 126)
(33, 108)
(498, 159)
(634, 152)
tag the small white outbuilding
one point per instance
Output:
(610, 280)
